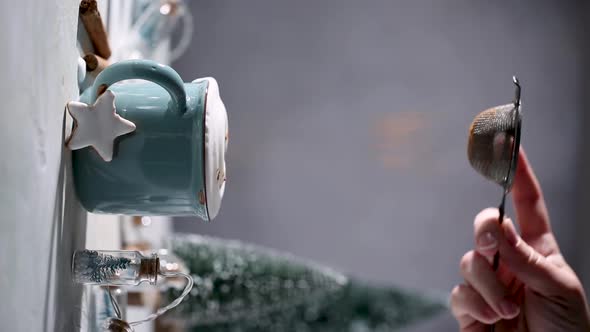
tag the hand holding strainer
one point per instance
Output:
(494, 142)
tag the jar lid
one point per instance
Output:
(216, 140)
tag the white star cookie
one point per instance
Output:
(97, 125)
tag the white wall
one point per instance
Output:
(39, 224)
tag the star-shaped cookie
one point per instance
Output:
(97, 125)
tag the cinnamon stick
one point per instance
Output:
(95, 64)
(92, 21)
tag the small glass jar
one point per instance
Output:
(114, 267)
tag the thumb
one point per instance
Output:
(526, 263)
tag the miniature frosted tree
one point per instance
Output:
(241, 287)
(93, 267)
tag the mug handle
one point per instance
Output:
(147, 70)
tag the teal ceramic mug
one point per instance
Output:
(174, 162)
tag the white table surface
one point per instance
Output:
(41, 222)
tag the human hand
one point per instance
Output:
(534, 288)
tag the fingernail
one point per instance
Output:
(511, 235)
(508, 308)
(486, 241)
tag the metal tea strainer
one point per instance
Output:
(494, 141)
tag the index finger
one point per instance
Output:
(531, 212)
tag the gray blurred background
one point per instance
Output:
(349, 119)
